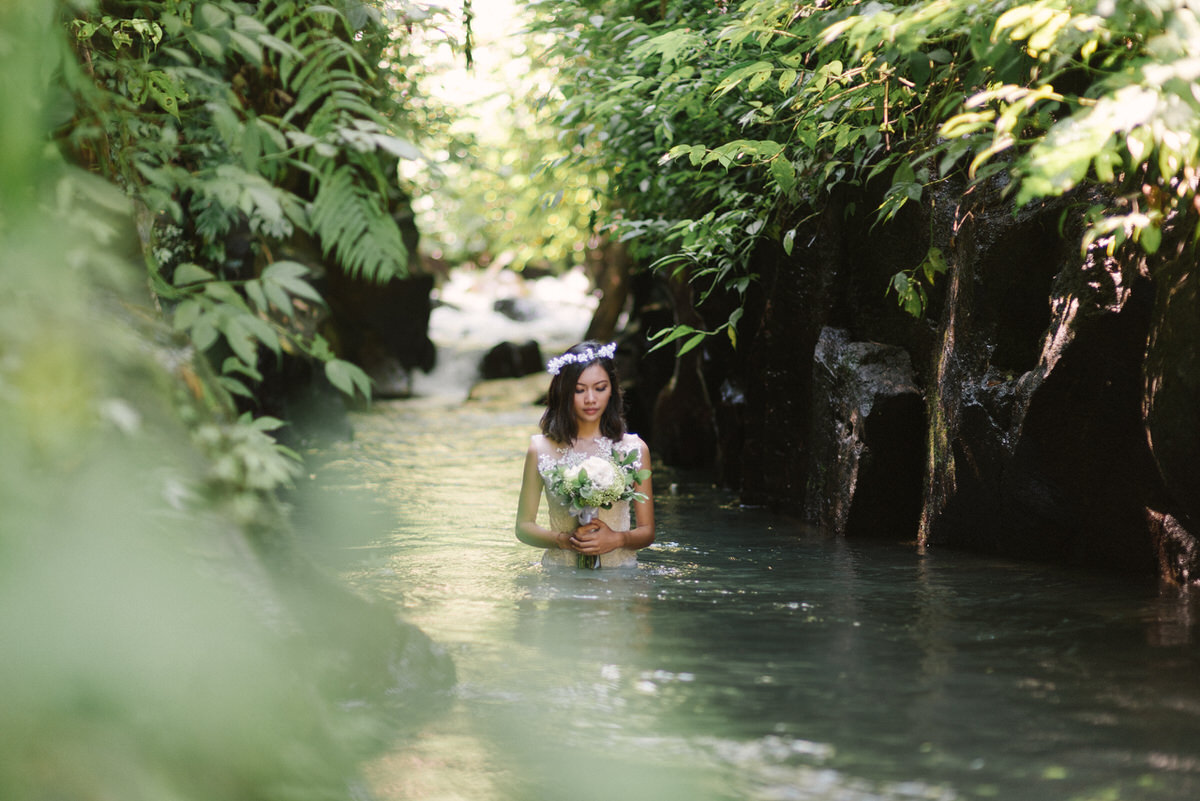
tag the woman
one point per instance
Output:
(583, 419)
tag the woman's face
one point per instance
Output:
(592, 392)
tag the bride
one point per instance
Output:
(583, 419)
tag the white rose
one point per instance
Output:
(600, 472)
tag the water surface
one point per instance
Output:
(748, 657)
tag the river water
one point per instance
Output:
(748, 657)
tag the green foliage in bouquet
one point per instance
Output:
(598, 482)
(594, 483)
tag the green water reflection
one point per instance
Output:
(748, 658)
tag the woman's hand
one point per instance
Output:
(596, 538)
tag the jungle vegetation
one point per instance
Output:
(167, 171)
(175, 176)
(724, 126)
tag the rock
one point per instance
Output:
(608, 266)
(684, 431)
(371, 322)
(781, 326)
(729, 412)
(294, 388)
(864, 439)
(644, 373)
(1048, 461)
(389, 379)
(370, 654)
(1172, 385)
(1176, 548)
(518, 309)
(1061, 391)
(684, 434)
(509, 360)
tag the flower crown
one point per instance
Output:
(555, 365)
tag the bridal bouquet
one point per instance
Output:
(594, 483)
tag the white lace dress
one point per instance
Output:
(618, 517)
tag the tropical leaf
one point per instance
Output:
(351, 225)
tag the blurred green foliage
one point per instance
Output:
(725, 126)
(498, 184)
(150, 647)
(258, 145)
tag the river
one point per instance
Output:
(748, 657)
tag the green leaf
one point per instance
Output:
(934, 263)
(730, 81)
(278, 297)
(757, 80)
(693, 342)
(348, 377)
(784, 174)
(286, 275)
(166, 91)
(254, 291)
(967, 123)
(671, 334)
(233, 364)
(674, 153)
(212, 15)
(357, 226)
(240, 340)
(234, 386)
(1150, 238)
(189, 273)
(247, 46)
(207, 45)
(203, 333)
(400, 148)
(280, 46)
(267, 423)
(186, 314)
(260, 330)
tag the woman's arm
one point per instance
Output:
(528, 531)
(643, 535)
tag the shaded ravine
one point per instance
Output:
(748, 657)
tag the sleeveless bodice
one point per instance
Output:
(618, 517)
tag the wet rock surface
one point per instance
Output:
(1060, 418)
(384, 328)
(511, 360)
(865, 436)
(1172, 385)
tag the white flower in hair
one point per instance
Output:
(555, 365)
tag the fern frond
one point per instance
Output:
(353, 226)
(324, 81)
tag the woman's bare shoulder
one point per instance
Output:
(540, 443)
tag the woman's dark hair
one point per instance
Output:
(558, 421)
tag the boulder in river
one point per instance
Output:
(511, 360)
